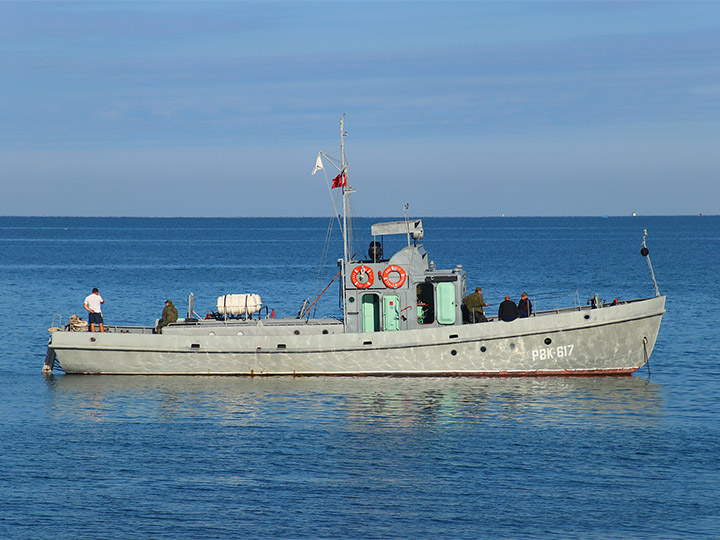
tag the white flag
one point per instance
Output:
(318, 165)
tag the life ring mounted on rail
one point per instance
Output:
(362, 272)
(390, 284)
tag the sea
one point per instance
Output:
(108, 457)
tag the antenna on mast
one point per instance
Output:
(407, 221)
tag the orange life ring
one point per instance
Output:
(366, 271)
(386, 276)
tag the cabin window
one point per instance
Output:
(391, 312)
(425, 303)
(446, 311)
(370, 313)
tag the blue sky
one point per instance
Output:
(457, 108)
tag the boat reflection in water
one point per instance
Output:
(348, 402)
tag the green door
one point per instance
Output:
(446, 303)
(391, 312)
(370, 313)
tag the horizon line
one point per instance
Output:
(499, 216)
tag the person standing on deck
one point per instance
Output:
(93, 303)
(475, 304)
(524, 306)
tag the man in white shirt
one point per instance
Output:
(93, 303)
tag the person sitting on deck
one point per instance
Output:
(169, 315)
(507, 311)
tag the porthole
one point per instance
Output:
(297, 332)
(325, 332)
(453, 352)
(483, 348)
(351, 299)
(587, 317)
(512, 346)
(548, 341)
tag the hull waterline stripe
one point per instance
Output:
(505, 374)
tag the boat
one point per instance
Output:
(401, 316)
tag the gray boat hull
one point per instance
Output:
(611, 340)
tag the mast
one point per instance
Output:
(345, 188)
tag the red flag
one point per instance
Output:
(339, 181)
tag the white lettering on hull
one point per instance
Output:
(552, 353)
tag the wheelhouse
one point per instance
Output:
(403, 292)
